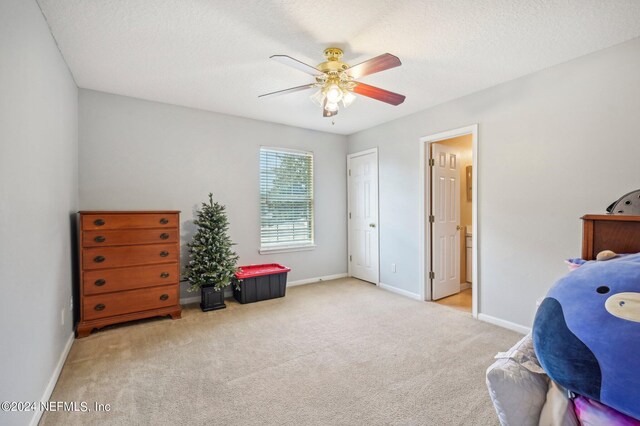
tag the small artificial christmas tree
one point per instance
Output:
(211, 259)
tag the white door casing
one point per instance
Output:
(446, 225)
(362, 177)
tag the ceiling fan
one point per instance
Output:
(336, 80)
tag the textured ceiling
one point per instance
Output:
(214, 54)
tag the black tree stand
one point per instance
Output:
(211, 299)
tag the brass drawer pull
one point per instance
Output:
(164, 221)
(98, 222)
(99, 239)
(100, 282)
(99, 307)
(164, 253)
(99, 259)
(164, 297)
(164, 236)
(164, 275)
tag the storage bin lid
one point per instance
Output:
(250, 271)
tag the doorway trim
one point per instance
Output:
(349, 157)
(425, 196)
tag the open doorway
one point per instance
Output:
(449, 250)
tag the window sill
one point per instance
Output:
(286, 249)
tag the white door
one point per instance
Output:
(363, 215)
(445, 196)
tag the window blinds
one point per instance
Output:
(286, 197)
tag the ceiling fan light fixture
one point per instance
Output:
(348, 98)
(333, 93)
(318, 97)
(331, 106)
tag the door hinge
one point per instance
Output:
(349, 172)
(349, 215)
(432, 275)
(350, 258)
(432, 162)
(432, 218)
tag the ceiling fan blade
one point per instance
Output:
(378, 94)
(290, 90)
(288, 60)
(327, 113)
(374, 65)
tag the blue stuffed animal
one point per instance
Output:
(586, 332)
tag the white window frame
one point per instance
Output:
(289, 246)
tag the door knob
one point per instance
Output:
(458, 227)
(372, 225)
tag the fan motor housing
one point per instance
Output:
(333, 63)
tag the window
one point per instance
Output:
(286, 199)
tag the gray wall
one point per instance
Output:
(38, 194)
(137, 154)
(552, 146)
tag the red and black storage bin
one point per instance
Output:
(260, 282)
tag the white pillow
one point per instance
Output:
(558, 410)
(518, 385)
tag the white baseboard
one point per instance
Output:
(464, 286)
(316, 280)
(37, 414)
(504, 323)
(399, 291)
(229, 293)
(187, 300)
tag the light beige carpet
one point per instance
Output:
(342, 352)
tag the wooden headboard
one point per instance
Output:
(619, 233)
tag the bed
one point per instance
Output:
(519, 388)
(619, 233)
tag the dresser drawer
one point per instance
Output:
(115, 257)
(129, 221)
(110, 304)
(128, 237)
(109, 280)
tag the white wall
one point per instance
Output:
(38, 195)
(552, 146)
(142, 155)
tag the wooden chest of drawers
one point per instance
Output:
(129, 267)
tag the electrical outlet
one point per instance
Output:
(393, 267)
